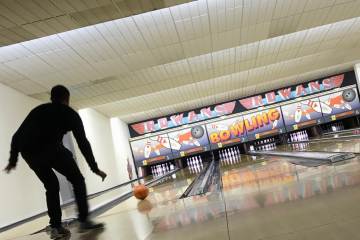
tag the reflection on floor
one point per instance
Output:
(330, 145)
(262, 198)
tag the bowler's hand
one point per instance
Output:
(101, 174)
(9, 168)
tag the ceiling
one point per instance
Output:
(180, 57)
(22, 20)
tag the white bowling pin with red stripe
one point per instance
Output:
(147, 149)
(314, 105)
(162, 140)
(298, 113)
(325, 108)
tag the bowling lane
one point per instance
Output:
(169, 189)
(163, 215)
(345, 134)
(69, 212)
(201, 217)
(109, 196)
(331, 145)
(274, 199)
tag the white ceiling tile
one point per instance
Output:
(27, 87)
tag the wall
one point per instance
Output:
(98, 131)
(121, 135)
(21, 184)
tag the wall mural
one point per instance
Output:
(241, 105)
(259, 124)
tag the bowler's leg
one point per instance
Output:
(68, 167)
(51, 184)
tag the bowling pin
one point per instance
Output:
(228, 156)
(196, 142)
(333, 128)
(298, 113)
(156, 171)
(275, 123)
(147, 149)
(238, 150)
(312, 104)
(175, 144)
(325, 108)
(162, 140)
(233, 155)
(348, 106)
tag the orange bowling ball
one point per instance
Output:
(140, 191)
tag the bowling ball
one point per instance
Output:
(140, 191)
(197, 132)
(349, 95)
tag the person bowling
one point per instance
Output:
(39, 140)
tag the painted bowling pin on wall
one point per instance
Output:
(147, 149)
(152, 147)
(298, 113)
(301, 112)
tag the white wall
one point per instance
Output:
(98, 132)
(121, 135)
(22, 194)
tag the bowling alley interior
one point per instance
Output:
(213, 119)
